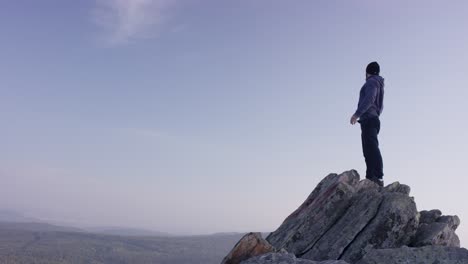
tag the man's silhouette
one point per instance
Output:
(370, 107)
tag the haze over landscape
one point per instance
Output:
(199, 117)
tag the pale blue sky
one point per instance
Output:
(212, 116)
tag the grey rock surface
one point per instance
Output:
(419, 255)
(345, 217)
(452, 221)
(437, 229)
(394, 225)
(436, 234)
(429, 217)
(286, 258)
(363, 209)
(397, 187)
(324, 206)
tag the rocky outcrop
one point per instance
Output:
(427, 254)
(286, 258)
(250, 245)
(436, 229)
(345, 218)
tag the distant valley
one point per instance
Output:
(41, 243)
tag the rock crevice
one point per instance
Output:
(360, 231)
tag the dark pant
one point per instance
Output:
(370, 128)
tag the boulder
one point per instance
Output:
(250, 245)
(452, 221)
(429, 217)
(286, 258)
(437, 229)
(344, 217)
(436, 234)
(426, 255)
(397, 187)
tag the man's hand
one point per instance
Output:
(353, 120)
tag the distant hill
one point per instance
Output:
(13, 216)
(10, 219)
(37, 227)
(264, 234)
(123, 231)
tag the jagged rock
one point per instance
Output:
(286, 258)
(344, 217)
(437, 229)
(397, 187)
(452, 221)
(250, 245)
(324, 206)
(366, 185)
(423, 255)
(436, 234)
(394, 225)
(363, 209)
(429, 217)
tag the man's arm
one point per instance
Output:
(370, 93)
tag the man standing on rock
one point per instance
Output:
(370, 107)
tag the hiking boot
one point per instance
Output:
(378, 181)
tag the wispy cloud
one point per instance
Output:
(123, 21)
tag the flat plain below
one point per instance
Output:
(53, 247)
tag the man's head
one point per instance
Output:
(372, 68)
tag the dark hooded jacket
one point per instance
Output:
(371, 98)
